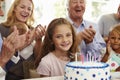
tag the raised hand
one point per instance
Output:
(40, 31)
(107, 54)
(88, 35)
(8, 48)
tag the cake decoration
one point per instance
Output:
(87, 70)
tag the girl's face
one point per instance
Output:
(62, 38)
(23, 10)
(115, 40)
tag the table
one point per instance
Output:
(48, 78)
(115, 75)
(53, 78)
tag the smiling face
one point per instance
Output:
(115, 40)
(76, 8)
(62, 38)
(23, 10)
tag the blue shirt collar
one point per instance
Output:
(81, 25)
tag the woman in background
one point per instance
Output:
(22, 11)
(107, 21)
(7, 50)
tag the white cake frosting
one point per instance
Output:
(87, 71)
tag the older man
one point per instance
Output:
(89, 38)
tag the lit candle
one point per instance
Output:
(87, 56)
(99, 58)
(82, 58)
(76, 57)
(90, 57)
(94, 57)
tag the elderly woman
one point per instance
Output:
(22, 11)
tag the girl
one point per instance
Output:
(58, 46)
(112, 55)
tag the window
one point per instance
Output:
(46, 10)
(50, 9)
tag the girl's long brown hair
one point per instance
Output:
(47, 45)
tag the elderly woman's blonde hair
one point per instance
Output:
(11, 18)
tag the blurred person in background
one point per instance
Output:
(7, 50)
(107, 21)
(22, 11)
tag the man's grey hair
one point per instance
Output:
(68, 1)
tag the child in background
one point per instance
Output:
(112, 53)
(58, 48)
(22, 28)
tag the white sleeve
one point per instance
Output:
(28, 51)
(2, 74)
(15, 59)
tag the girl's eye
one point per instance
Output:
(58, 36)
(112, 37)
(118, 38)
(68, 35)
(22, 7)
(29, 9)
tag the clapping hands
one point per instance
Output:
(87, 35)
(8, 47)
(27, 38)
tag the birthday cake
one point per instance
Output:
(87, 71)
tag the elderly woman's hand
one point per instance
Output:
(36, 34)
(39, 32)
(27, 38)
